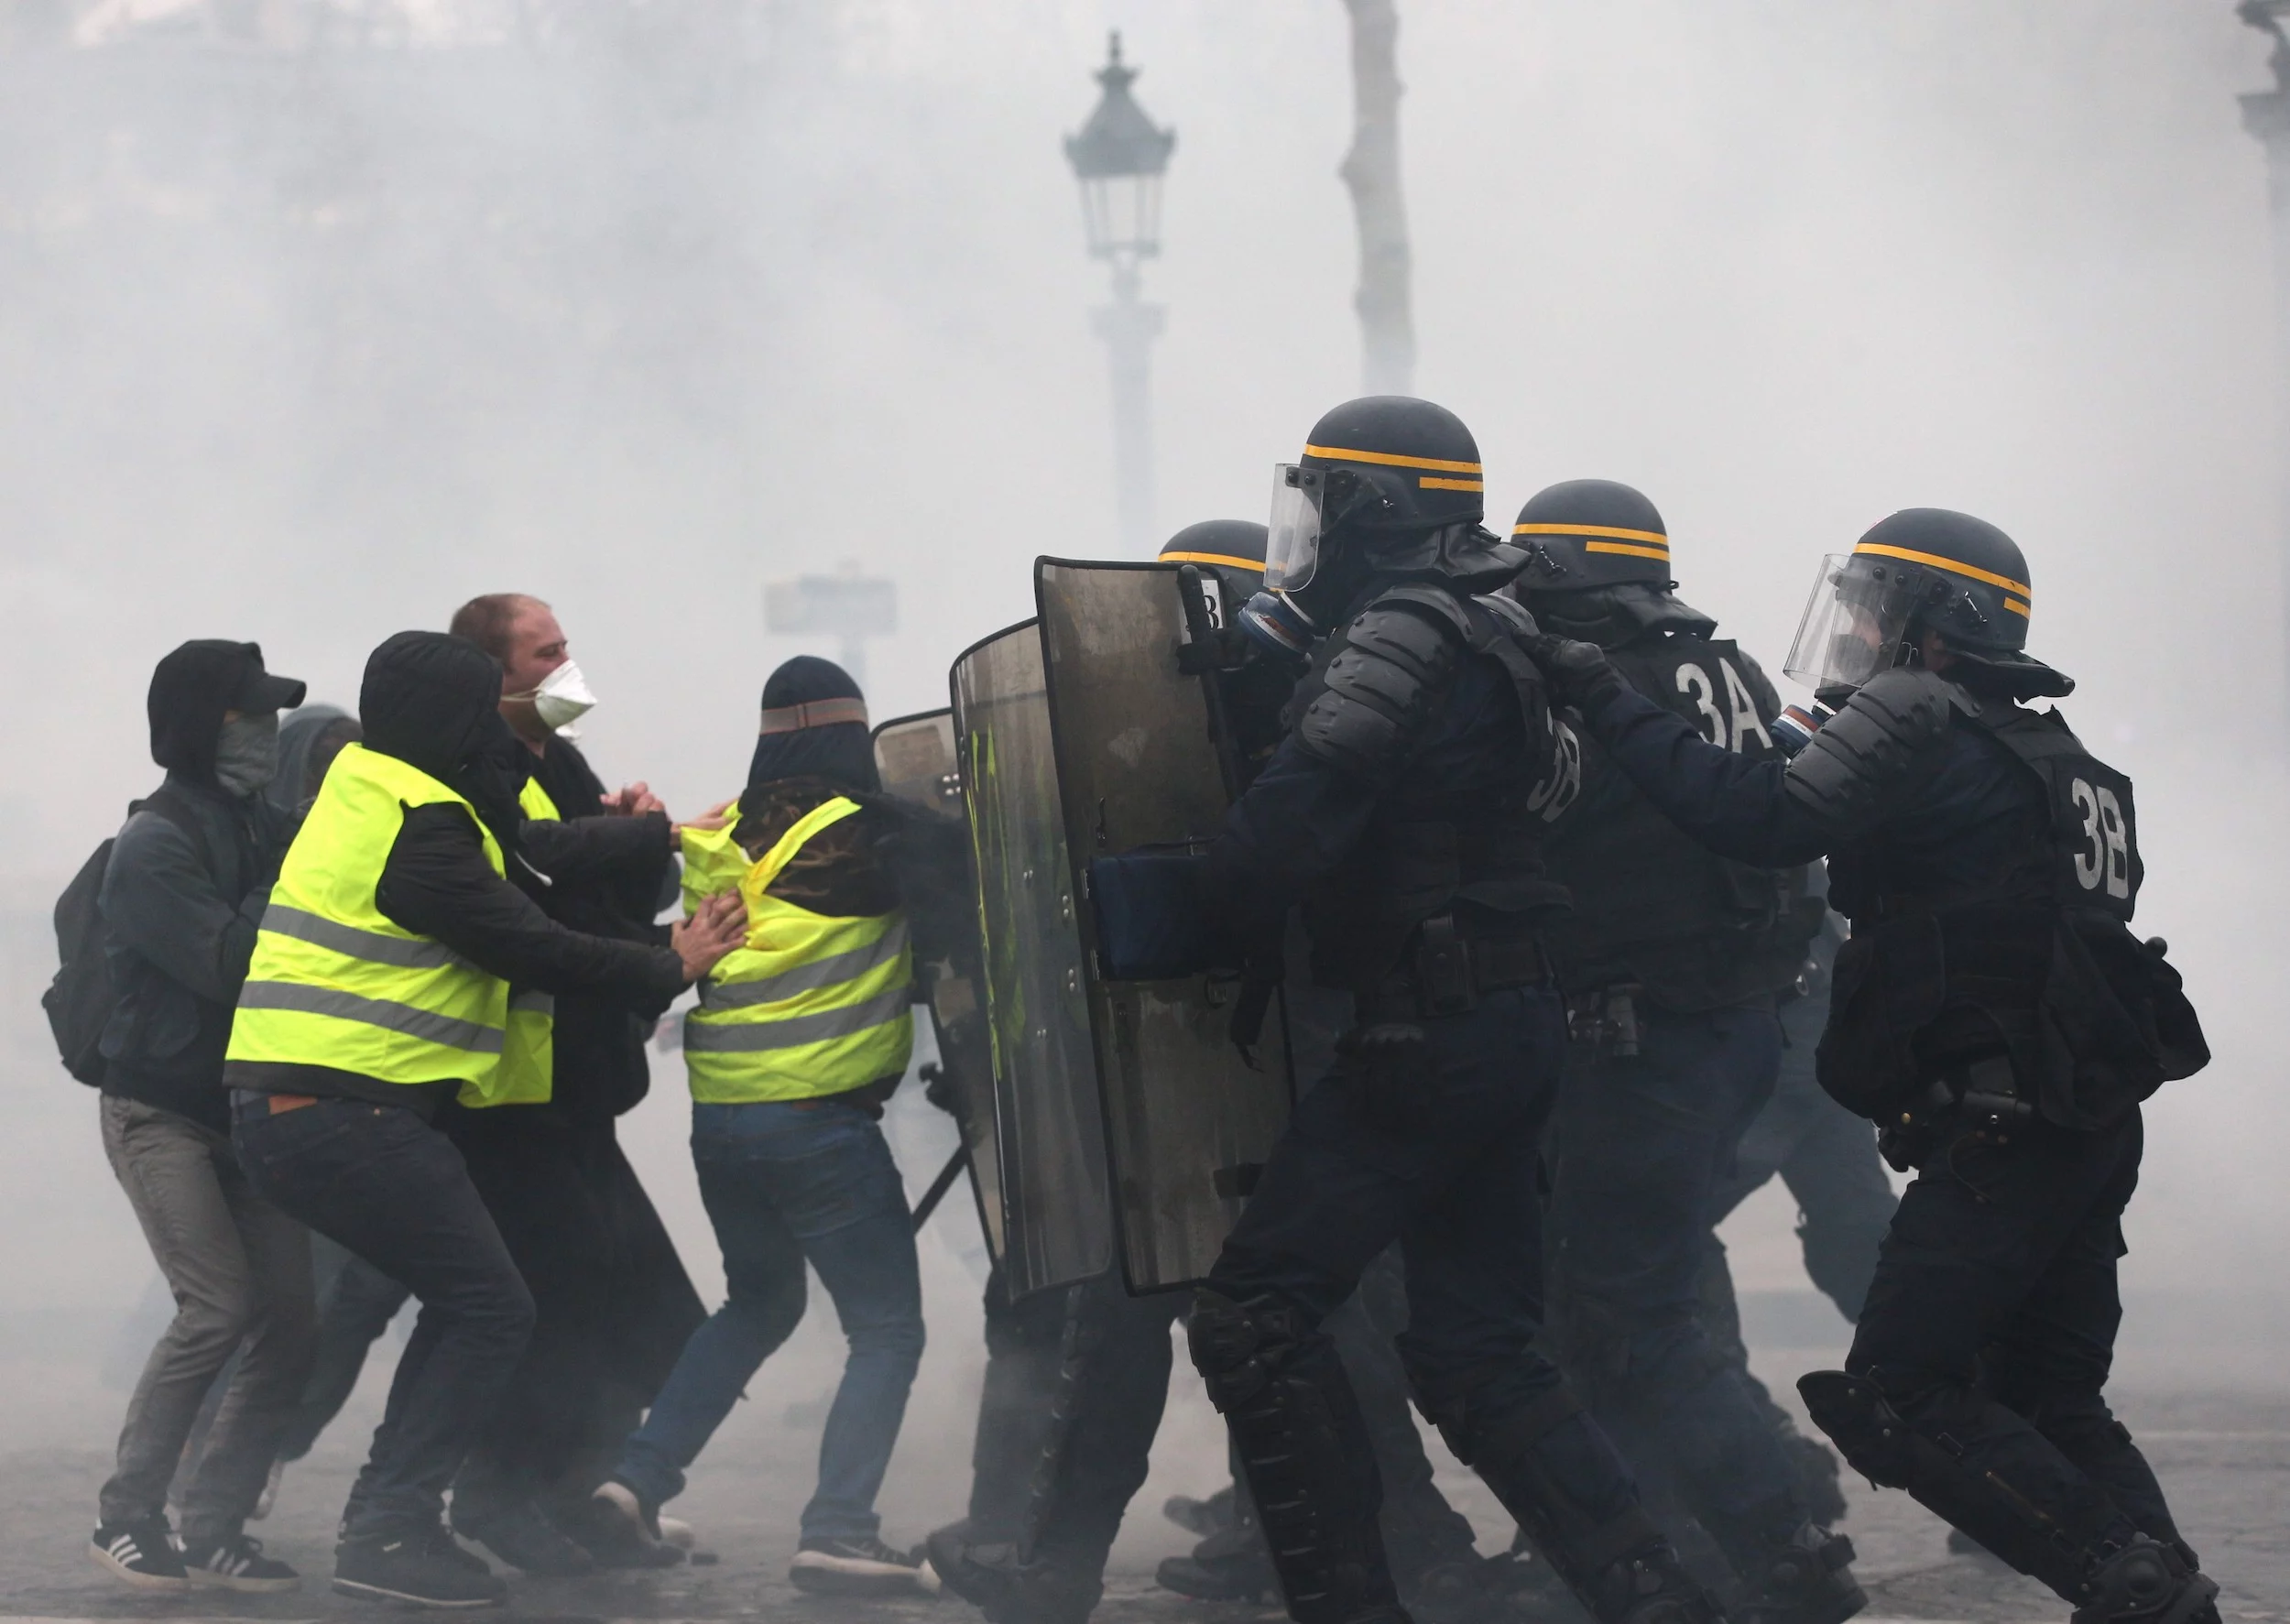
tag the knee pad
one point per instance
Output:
(2146, 1583)
(1238, 1347)
(1860, 1421)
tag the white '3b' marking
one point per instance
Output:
(1727, 732)
(2109, 858)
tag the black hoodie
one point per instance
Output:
(432, 702)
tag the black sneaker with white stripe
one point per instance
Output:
(860, 1567)
(424, 1567)
(238, 1563)
(141, 1554)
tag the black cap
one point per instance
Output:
(194, 686)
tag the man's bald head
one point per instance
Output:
(522, 633)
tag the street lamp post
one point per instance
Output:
(1118, 158)
(2266, 115)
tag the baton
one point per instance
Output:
(938, 1186)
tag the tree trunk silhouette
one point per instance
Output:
(1372, 173)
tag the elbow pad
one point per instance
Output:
(1843, 770)
(1397, 657)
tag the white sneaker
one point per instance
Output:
(676, 1532)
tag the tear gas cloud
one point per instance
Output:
(316, 320)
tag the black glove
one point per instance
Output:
(1579, 673)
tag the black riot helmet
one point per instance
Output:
(1599, 565)
(1230, 549)
(1587, 533)
(1388, 486)
(1923, 570)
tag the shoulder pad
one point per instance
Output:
(1396, 658)
(1511, 612)
(1859, 753)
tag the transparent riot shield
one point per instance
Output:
(1057, 1218)
(1188, 1118)
(915, 758)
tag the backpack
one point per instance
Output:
(79, 999)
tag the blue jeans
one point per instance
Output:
(786, 1185)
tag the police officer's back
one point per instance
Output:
(1993, 1012)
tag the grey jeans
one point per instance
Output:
(240, 1271)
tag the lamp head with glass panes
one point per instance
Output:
(1118, 158)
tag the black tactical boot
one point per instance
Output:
(1806, 1579)
(1231, 1564)
(991, 1579)
(2147, 1583)
(1650, 1586)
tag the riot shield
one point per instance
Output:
(1189, 1120)
(915, 758)
(1057, 1220)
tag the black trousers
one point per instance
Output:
(1637, 1148)
(394, 1191)
(613, 1304)
(1991, 1319)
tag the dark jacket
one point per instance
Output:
(609, 876)
(431, 700)
(180, 918)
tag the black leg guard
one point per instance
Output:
(1303, 1449)
(1968, 1479)
(1556, 1474)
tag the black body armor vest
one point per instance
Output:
(1459, 830)
(2039, 961)
(1653, 906)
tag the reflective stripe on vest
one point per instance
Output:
(529, 1058)
(812, 1004)
(334, 981)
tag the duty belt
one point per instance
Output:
(1445, 971)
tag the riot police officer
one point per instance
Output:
(1993, 1013)
(1672, 962)
(1404, 812)
(1076, 1378)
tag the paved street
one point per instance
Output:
(2224, 1456)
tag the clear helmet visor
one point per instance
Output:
(1293, 549)
(1853, 623)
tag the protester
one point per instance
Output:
(379, 991)
(614, 1306)
(798, 1040)
(180, 902)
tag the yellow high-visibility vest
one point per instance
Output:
(335, 982)
(812, 1004)
(529, 1054)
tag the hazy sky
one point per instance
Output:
(310, 348)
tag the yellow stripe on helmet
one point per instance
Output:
(1661, 555)
(1336, 454)
(2015, 605)
(1652, 538)
(1949, 564)
(1225, 559)
(1430, 481)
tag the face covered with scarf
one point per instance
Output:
(433, 701)
(815, 727)
(213, 712)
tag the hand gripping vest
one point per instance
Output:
(333, 982)
(529, 1054)
(812, 1004)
